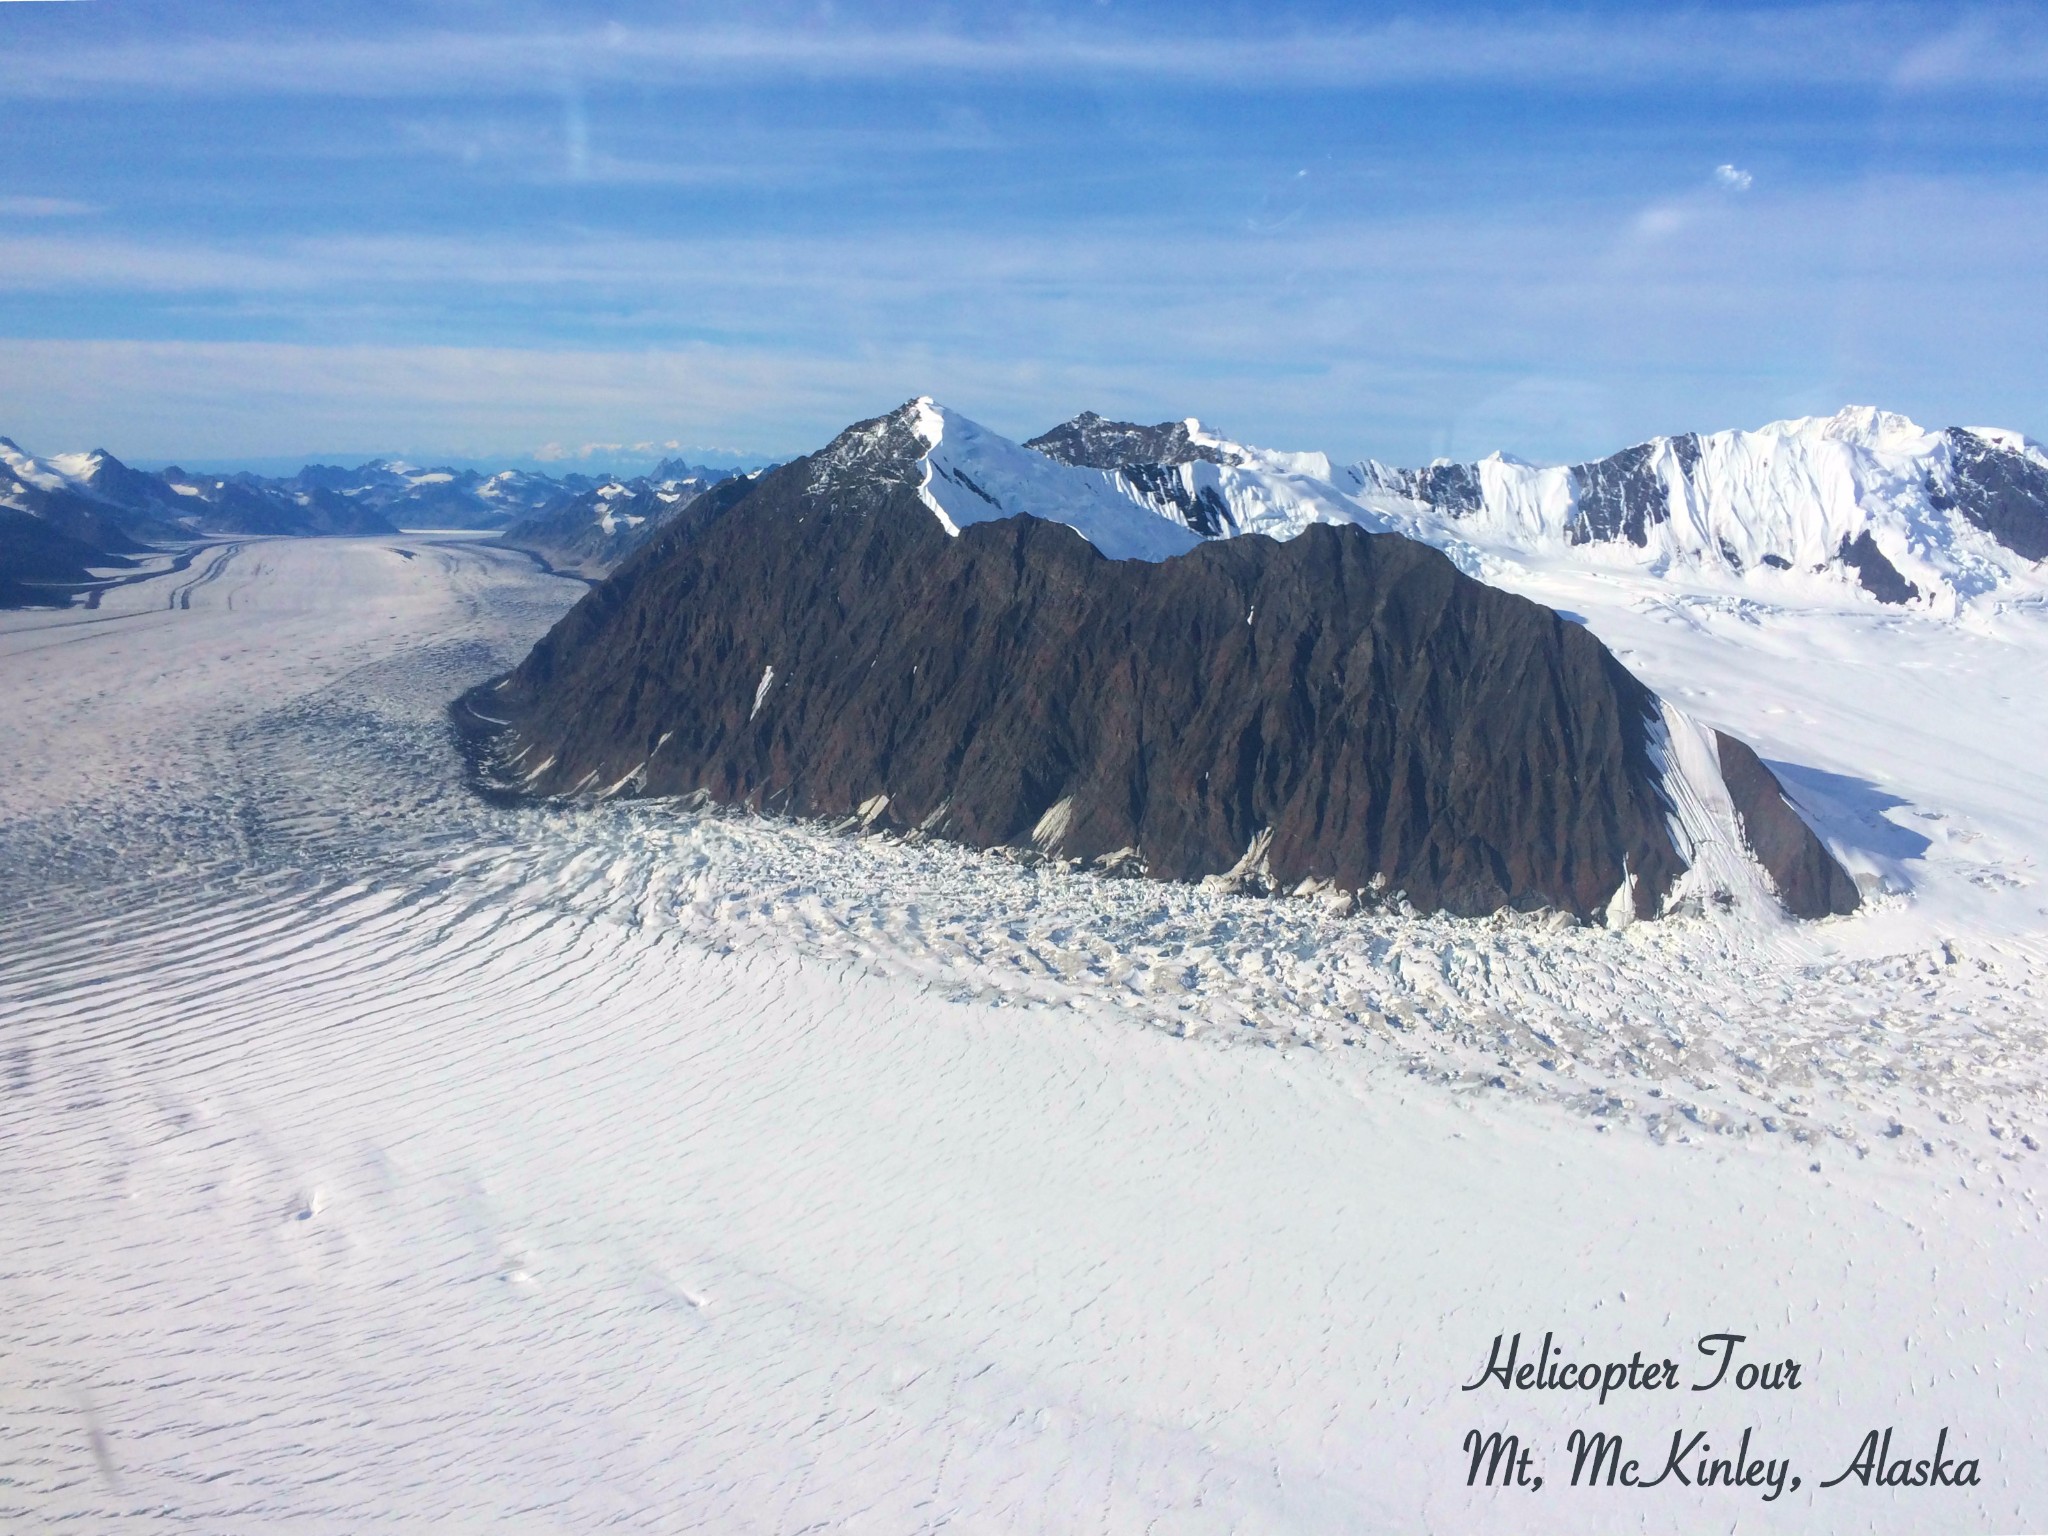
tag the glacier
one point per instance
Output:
(382, 1158)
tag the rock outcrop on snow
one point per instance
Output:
(899, 631)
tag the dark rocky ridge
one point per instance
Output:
(1149, 459)
(2002, 492)
(41, 565)
(1094, 442)
(1620, 496)
(1346, 709)
(1809, 881)
(1452, 489)
(1879, 577)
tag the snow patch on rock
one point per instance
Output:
(973, 475)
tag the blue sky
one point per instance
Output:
(502, 231)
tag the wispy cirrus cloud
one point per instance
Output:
(45, 208)
(1908, 46)
(194, 399)
(1556, 334)
(414, 218)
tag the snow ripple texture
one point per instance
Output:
(376, 1156)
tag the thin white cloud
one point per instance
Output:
(48, 263)
(1975, 48)
(1814, 44)
(556, 453)
(176, 399)
(1660, 221)
(1733, 178)
(44, 208)
(1398, 338)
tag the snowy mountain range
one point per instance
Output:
(1864, 505)
(1799, 510)
(1865, 496)
(377, 497)
(591, 531)
(64, 516)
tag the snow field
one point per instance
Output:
(378, 1158)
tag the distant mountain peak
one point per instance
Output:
(1095, 442)
(1867, 426)
(1866, 497)
(883, 450)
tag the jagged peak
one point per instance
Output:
(2006, 439)
(888, 448)
(82, 466)
(30, 469)
(1090, 440)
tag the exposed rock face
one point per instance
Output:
(1345, 709)
(1454, 489)
(2003, 492)
(1199, 506)
(1095, 443)
(1149, 459)
(1622, 497)
(1809, 881)
(1865, 495)
(40, 565)
(1879, 577)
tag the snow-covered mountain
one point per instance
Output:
(66, 515)
(1862, 499)
(1865, 497)
(972, 475)
(591, 531)
(1213, 486)
(38, 489)
(53, 531)
(412, 497)
(1814, 509)
(113, 508)
(1084, 474)
(1832, 515)
(377, 496)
